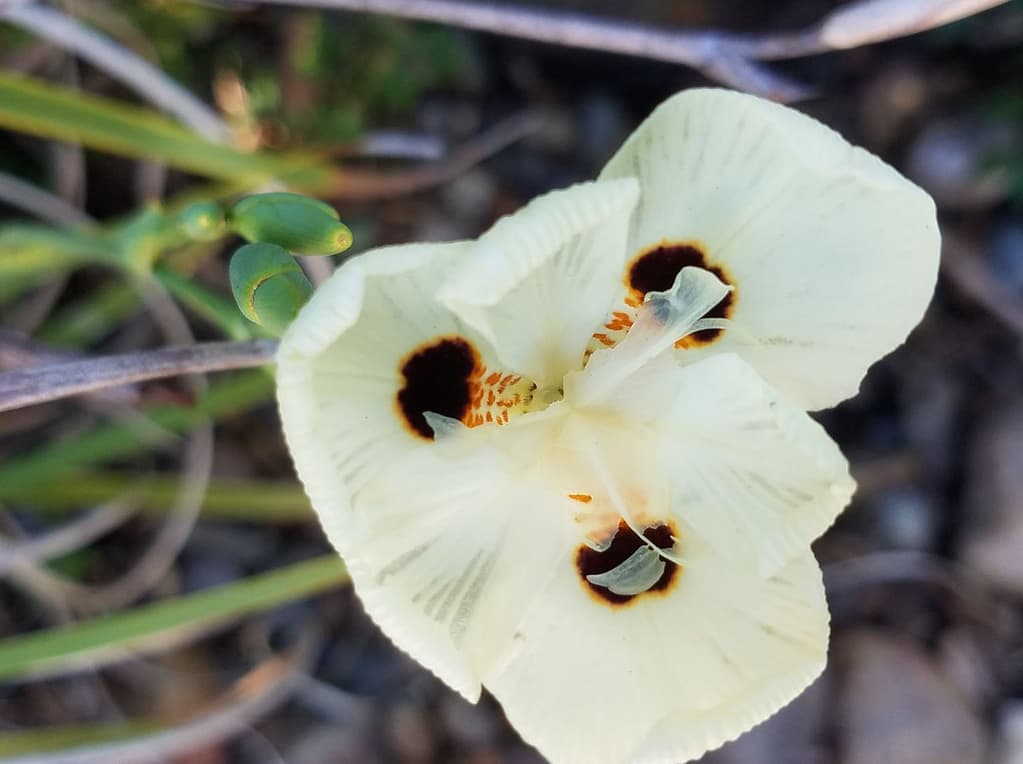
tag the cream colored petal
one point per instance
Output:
(339, 376)
(452, 551)
(666, 676)
(538, 284)
(710, 444)
(750, 473)
(832, 253)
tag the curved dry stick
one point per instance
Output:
(67, 538)
(723, 56)
(26, 387)
(177, 526)
(708, 51)
(36, 201)
(252, 696)
(905, 565)
(961, 264)
(366, 186)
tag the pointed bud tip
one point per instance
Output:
(297, 223)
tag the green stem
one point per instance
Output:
(126, 631)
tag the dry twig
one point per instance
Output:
(36, 201)
(728, 58)
(365, 185)
(67, 538)
(251, 697)
(25, 387)
(964, 268)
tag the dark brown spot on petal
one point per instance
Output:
(590, 562)
(438, 378)
(655, 269)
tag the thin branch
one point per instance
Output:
(36, 201)
(26, 387)
(852, 574)
(722, 56)
(364, 185)
(251, 697)
(963, 266)
(67, 538)
(395, 144)
(18, 351)
(707, 51)
(148, 81)
(171, 538)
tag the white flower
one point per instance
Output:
(600, 508)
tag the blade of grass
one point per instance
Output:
(216, 309)
(16, 742)
(113, 441)
(50, 111)
(90, 319)
(226, 499)
(81, 644)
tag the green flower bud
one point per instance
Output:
(299, 224)
(201, 221)
(268, 285)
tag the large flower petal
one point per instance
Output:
(710, 442)
(340, 386)
(451, 553)
(668, 675)
(749, 471)
(540, 281)
(832, 253)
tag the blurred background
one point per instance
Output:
(166, 594)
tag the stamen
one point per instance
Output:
(495, 397)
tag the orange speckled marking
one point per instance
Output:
(585, 498)
(494, 396)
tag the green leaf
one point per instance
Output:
(89, 319)
(133, 630)
(34, 740)
(52, 461)
(49, 111)
(30, 253)
(211, 306)
(225, 499)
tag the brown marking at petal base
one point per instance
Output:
(589, 562)
(584, 498)
(655, 269)
(438, 378)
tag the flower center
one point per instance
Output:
(544, 396)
